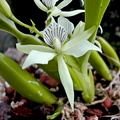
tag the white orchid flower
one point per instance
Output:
(49, 7)
(55, 36)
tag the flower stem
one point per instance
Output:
(31, 28)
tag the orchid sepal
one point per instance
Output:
(78, 29)
(63, 4)
(66, 80)
(78, 51)
(71, 13)
(40, 5)
(28, 48)
(46, 57)
(83, 36)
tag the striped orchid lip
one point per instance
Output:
(56, 34)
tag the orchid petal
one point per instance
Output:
(37, 57)
(69, 27)
(66, 80)
(28, 48)
(54, 31)
(40, 5)
(83, 36)
(64, 3)
(82, 2)
(49, 3)
(78, 29)
(71, 13)
(81, 48)
(98, 44)
(101, 30)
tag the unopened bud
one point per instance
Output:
(5, 9)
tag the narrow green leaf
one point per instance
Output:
(94, 10)
(24, 83)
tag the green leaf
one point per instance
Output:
(99, 65)
(66, 80)
(91, 78)
(37, 57)
(109, 51)
(88, 91)
(94, 12)
(24, 83)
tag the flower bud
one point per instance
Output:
(5, 9)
